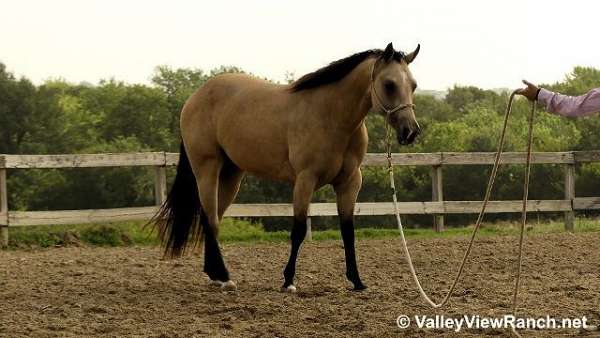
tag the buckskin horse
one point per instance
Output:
(309, 133)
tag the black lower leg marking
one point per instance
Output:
(347, 230)
(297, 237)
(214, 266)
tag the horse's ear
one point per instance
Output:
(410, 57)
(388, 53)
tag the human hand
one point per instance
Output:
(530, 92)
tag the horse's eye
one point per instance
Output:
(389, 85)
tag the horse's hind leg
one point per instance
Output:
(230, 179)
(229, 184)
(207, 177)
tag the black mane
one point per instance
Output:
(337, 70)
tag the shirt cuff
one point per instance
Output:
(544, 97)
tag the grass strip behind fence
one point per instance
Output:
(240, 231)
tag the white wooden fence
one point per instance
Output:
(160, 160)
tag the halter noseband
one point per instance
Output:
(378, 98)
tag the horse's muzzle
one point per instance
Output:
(407, 135)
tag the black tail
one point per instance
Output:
(178, 220)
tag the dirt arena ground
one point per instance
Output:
(131, 292)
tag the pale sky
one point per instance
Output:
(489, 44)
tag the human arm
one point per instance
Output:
(564, 105)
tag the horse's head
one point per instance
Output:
(392, 92)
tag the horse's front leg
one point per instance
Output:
(347, 192)
(303, 191)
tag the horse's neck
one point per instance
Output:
(351, 97)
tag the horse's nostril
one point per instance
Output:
(412, 136)
(407, 135)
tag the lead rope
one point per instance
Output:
(486, 199)
(523, 212)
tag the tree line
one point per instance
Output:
(114, 116)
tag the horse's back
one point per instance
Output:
(245, 117)
(227, 89)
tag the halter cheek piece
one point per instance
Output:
(378, 98)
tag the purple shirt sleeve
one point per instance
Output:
(571, 106)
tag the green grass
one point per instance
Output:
(239, 231)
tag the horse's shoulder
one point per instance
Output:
(361, 136)
(357, 147)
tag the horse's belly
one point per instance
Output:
(263, 165)
(258, 155)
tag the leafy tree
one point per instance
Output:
(16, 110)
(459, 98)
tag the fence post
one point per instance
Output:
(160, 185)
(570, 195)
(3, 207)
(437, 194)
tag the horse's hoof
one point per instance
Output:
(228, 286)
(289, 289)
(215, 283)
(359, 287)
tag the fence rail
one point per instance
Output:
(371, 160)
(160, 160)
